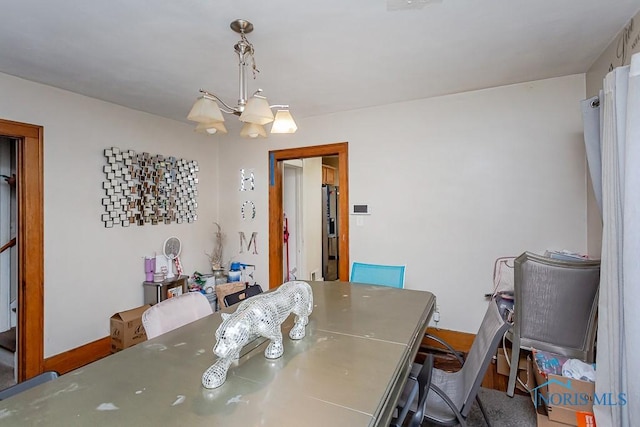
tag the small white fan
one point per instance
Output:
(171, 249)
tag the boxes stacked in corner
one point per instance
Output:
(525, 373)
(563, 399)
(126, 328)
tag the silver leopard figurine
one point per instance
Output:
(260, 315)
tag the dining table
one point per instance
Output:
(349, 370)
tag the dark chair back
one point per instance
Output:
(236, 297)
(26, 385)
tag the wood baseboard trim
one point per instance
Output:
(77, 357)
(460, 341)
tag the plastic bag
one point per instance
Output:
(503, 276)
(579, 370)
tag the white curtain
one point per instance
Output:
(616, 131)
(591, 117)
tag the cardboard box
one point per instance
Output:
(566, 399)
(524, 369)
(544, 421)
(126, 328)
(564, 417)
(567, 416)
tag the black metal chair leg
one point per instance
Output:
(484, 413)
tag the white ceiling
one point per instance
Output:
(318, 56)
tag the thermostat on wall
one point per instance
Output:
(360, 210)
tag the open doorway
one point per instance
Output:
(330, 194)
(310, 213)
(294, 262)
(277, 161)
(26, 141)
(8, 262)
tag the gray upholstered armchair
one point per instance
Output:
(556, 303)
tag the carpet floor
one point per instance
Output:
(6, 376)
(502, 411)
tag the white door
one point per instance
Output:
(6, 234)
(291, 206)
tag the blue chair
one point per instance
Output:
(377, 274)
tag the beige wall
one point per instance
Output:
(617, 54)
(453, 182)
(92, 272)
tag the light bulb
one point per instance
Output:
(252, 130)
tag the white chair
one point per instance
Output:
(174, 312)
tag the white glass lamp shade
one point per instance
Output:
(211, 128)
(205, 110)
(257, 111)
(283, 123)
(252, 130)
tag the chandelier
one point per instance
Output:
(254, 112)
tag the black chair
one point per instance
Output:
(236, 297)
(26, 385)
(417, 384)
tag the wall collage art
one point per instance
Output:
(142, 189)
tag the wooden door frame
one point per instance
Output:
(276, 244)
(30, 241)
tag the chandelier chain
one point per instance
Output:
(249, 50)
